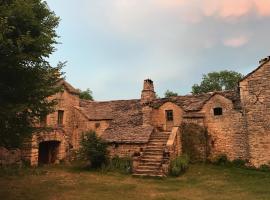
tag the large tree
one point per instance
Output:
(27, 38)
(169, 93)
(217, 81)
(87, 94)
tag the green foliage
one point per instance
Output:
(27, 38)
(94, 149)
(123, 165)
(169, 93)
(217, 81)
(179, 165)
(264, 168)
(87, 94)
(239, 163)
(195, 142)
(221, 160)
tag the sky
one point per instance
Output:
(111, 46)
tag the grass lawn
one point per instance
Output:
(202, 182)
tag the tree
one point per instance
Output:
(169, 93)
(27, 38)
(87, 94)
(217, 81)
(94, 149)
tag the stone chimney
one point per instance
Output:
(148, 92)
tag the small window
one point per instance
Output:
(60, 117)
(169, 115)
(218, 111)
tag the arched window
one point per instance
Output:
(218, 111)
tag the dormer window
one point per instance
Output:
(169, 115)
(218, 111)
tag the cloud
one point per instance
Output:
(221, 8)
(236, 41)
(263, 7)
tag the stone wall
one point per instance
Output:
(10, 157)
(227, 132)
(255, 97)
(82, 124)
(159, 116)
(66, 103)
(125, 150)
(30, 151)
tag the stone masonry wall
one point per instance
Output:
(227, 130)
(82, 124)
(159, 116)
(255, 97)
(125, 150)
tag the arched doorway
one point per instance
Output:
(48, 152)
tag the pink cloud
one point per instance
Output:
(263, 7)
(236, 42)
(232, 8)
(222, 8)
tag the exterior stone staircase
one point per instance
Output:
(152, 157)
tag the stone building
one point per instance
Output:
(149, 129)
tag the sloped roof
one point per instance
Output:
(262, 63)
(126, 117)
(192, 103)
(69, 87)
(126, 123)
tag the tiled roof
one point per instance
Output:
(126, 118)
(192, 103)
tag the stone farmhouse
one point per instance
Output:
(149, 129)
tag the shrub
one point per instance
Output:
(123, 165)
(221, 160)
(239, 163)
(179, 165)
(94, 149)
(264, 168)
(195, 142)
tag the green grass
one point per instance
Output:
(202, 182)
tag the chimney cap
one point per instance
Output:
(148, 80)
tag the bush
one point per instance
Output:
(123, 165)
(179, 165)
(195, 142)
(94, 149)
(264, 168)
(239, 163)
(221, 160)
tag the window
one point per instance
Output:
(60, 117)
(217, 111)
(169, 115)
(43, 120)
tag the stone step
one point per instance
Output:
(148, 167)
(149, 175)
(150, 161)
(154, 149)
(148, 171)
(154, 153)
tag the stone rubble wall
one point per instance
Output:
(255, 97)
(10, 157)
(125, 150)
(159, 116)
(227, 131)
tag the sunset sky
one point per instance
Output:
(113, 45)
